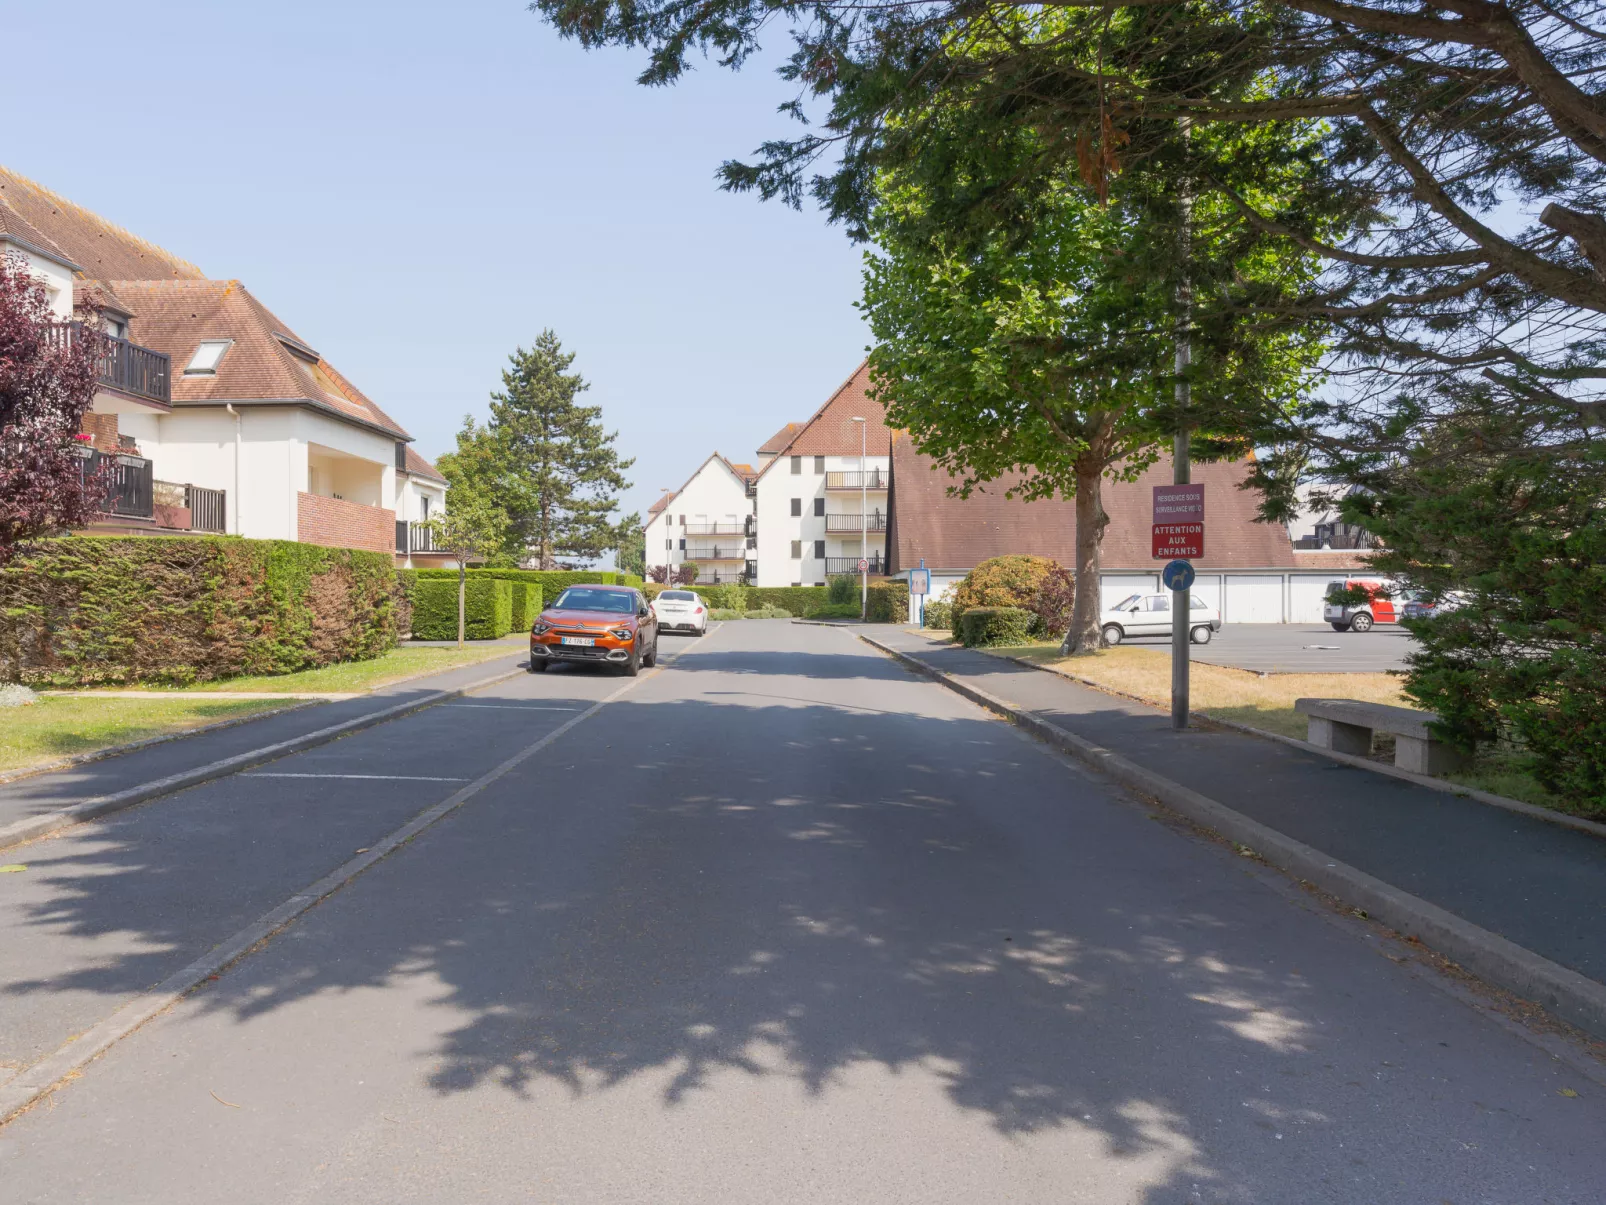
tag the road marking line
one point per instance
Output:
(382, 777)
(21, 1091)
(509, 707)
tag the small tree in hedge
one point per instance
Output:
(630, 554)
(47, 383)
(470, 531)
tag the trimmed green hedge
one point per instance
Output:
(526, 605)
(981, 627)
(487, 608)
(83, 610)
(889, 602)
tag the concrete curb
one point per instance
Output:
(1550, 816)
(1569, 995)
(103, 805)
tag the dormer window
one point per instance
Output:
(205, 360)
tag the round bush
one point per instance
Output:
(984, 627)
(1004, 581)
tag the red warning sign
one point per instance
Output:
(1178, 522)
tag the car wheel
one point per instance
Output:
(652, 657)
(631, 665)
(1112, 634)
(1341, 627)
(537, 667)
(1361, 623)
(1201, 635)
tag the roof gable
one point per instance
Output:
(95, 246)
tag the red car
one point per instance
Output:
(1359, 617)
(599, 625)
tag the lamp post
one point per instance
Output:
(669, 539)
(864, 526)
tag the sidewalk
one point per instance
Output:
(1534, 883)
(50, 792)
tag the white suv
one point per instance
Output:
(1150, 615)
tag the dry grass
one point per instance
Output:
(1265, 702)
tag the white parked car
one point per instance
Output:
(1150, 615)
(681, 611)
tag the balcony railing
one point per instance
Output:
(415, 537)
(128, 483)
(720, 577)
(851, 523)
(128, 367)
(735, 550)
(715, 529)
(871, 479)
(850, 564)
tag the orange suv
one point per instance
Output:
(602, 625)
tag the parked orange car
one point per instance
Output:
(600, 625)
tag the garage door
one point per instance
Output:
(1306, 596)
(1254, 599)
(1207, 588)
(1116, 586)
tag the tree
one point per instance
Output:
(630, 554)
(544, 460)
(48, 375)
(470, 530)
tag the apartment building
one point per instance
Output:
(215, 415)
(707, 522)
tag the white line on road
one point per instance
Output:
(510, 706)
(383, 777)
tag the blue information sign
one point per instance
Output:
(1177, 575)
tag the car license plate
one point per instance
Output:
(582, 641)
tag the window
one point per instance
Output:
(819, 465)
(1199, 604)
(797, 550)
(683, 520)
(1157, 602)
(116, 328)
(206, 357)
(683, 544)
(423, 501)
(613, 602)
(819, 550)
(669, 545)
(797, 466)
(797, 507)
(819, 508)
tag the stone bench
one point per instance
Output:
(1346, 726)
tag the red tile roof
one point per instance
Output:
(174, 316)
(419, 467)
(953, 533)
(832, 431)
(103, 251)
(779, 440)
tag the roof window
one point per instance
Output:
(206, 357)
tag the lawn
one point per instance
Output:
(407, 662)
(54, 728)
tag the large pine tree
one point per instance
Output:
(545, 460)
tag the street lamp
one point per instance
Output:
(669, 539)
(864, 527)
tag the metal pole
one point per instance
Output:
(864, 528)
(1180, 599)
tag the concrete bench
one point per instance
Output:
(1346, 726)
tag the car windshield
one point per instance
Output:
(578, 598)
(677, 596)
(1126, 602)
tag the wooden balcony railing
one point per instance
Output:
(871, 479)
(850, 523)
(850, 564)
(128, 367)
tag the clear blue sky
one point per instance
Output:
(418, 188)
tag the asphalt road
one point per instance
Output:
(1297, 648)
(779, 923)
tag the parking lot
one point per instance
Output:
(1297, 648)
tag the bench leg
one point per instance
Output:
(1340, 738)
(1426, 756)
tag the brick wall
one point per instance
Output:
(104, 428)
(336, 523)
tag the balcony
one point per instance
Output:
(417, 537)
(127, 367)
(133, 492)
(720, 577)
(731, 550)
(715, 529)
(870, 479)
(850, 564)
(850, 524)
(338, 523)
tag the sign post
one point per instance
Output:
(919, 587)
(1179, 535)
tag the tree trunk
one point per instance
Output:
(1083, 636)
(462, 593)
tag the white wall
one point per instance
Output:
(1307, 595)
(777, 527)
(713, 495)
(1113, 587)
(58, 281)
(1253, 598)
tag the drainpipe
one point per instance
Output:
(236, 507)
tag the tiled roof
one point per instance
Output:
(745, 471)
(832, 431)
(954, 533)
(174, 316)
(779, 440)
(15, 227)
(419, 467)
(102, 294)
(658, 506)
(101, 250)
(1318, 562)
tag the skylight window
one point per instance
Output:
(207, 355)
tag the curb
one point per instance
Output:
(104, 805)
(1571, 996)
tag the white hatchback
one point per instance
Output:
(1150, 615)
(681, 611)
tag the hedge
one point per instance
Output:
(487, 608)
(83, 610)
(984, 626)
(526, 604)
(938, 615)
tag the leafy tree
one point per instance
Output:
(544, 460)
(630, 554)
(48, 376)
(470, 530)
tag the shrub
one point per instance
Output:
(831, 610)
(889, 602)
(526, 597)
(1055, 601)
(769, 613)
(487, 609)
(90, 609)
(799, 600)
(729, 597)
(981, 627)
(725, 613)
(1004, 581)
(841, 588)
(938, 615)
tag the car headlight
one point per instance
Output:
(622, 633)
(541, 628)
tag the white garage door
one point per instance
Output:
(1254, 598)
(1207, 588)
(1306, 597)
(1113, 587)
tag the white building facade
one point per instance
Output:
(707, 522)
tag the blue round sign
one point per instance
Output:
(1177, 575)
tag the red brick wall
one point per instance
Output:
(336, 523)
(104, 428)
